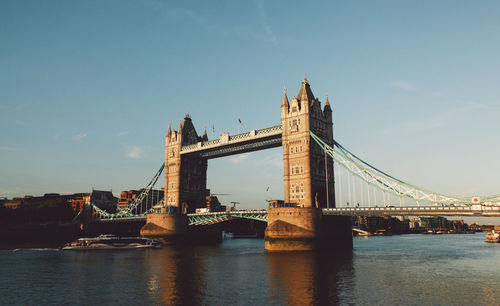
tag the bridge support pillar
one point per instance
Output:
(167, 228)
(292, 228)
(306, 229)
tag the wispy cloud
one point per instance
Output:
(238, 159)
(182, 15)
(265, 23)
(436, 120)
(402, 85)
(11, 149)
(79, 136)
(179, 13)
(134, 152)
(123, 133)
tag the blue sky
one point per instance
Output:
(87, 88)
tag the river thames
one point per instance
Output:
(405, 269)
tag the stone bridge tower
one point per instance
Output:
(185, 185)
(303, 159)
(308, 178)
(185, 176)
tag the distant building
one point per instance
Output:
(430, 223)
(475, 227)
(12, 204)
(402, 226)
(213, 203)
(458, 226)
(126, 197)
(103, 200)
(76, 200)
(372, 224)
(152, 198)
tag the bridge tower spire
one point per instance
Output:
(284, 103)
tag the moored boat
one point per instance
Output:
(493, 237)
(112, 242)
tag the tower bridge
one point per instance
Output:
(321, 178)
(308, 174)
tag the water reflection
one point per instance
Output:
(194, 276)
(176, 276)
(301, 278)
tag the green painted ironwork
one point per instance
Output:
(218, 217)
(127, 212)
(386, 182)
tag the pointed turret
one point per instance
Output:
(305, 93)
(169, 129)
(327, 104)
(285, 100)
(205, 136)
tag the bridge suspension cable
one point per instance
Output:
(129, 210)
(383, 181)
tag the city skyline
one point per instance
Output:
(88, 90)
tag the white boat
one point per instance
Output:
(112, 242)
(493, 237)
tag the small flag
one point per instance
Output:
(239, 120)
(213, 128)
(267, 188)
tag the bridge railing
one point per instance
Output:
(471, 210)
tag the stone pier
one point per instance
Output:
(173, 229)
(167, 228)
(292, 228)
(306, 229)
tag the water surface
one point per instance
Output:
(406, 269)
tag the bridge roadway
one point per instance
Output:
(430, 211)
(197, 219)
